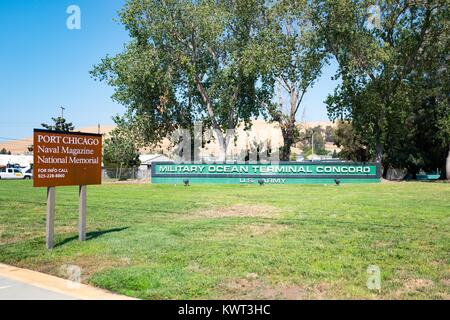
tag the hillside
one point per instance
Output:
(21, 146)
(261, 130)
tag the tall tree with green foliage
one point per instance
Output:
(294, 59)
(423, 142)
(378, 46)
(188, 61)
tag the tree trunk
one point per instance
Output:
(288, 141)
(379, 152)
(447, 167)
(285, 154)
(222, 142)
(385, 171)
(379, 158)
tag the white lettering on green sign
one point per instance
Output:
(264, 169)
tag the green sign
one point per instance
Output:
(281, 173)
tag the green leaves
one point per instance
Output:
(292, 56)
(195, 56)
(60, 125)
(389, 74)
(120, 148)
(224, 62)
(145, 86)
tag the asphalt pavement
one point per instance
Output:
(16, 290)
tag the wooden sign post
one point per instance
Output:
(66, 159)
(50, 221)
(82, 214)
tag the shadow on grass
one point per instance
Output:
(91, 235)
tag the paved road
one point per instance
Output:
(16, 290)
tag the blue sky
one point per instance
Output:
(44, 65)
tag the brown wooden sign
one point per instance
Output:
(66, 158)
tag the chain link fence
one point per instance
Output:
(115, 174)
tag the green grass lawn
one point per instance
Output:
(227, 241)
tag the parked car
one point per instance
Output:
(11, 173)
(28, 174)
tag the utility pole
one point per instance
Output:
(312, 145)
(62, 112)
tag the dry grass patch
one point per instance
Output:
(251, 287)
(92, 264)
(64, 268)
(417, 284)
(446, 282)
(411, 286)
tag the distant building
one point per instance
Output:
(22, 160)
(148, 159)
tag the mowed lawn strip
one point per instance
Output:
(239, 241)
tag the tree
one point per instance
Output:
(295, 58)
(316, 136)
(378, 54)
(188, 61)
(352, 148)
(430, 85)
(120, 150)
(4, 151)
(60, 124)
(144, 86)
(329, 134)
(423, 107)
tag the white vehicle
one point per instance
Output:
(10, 173)
(28, 174)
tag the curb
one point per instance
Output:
(58, 285)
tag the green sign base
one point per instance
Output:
(193, 180)
(282, 173)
